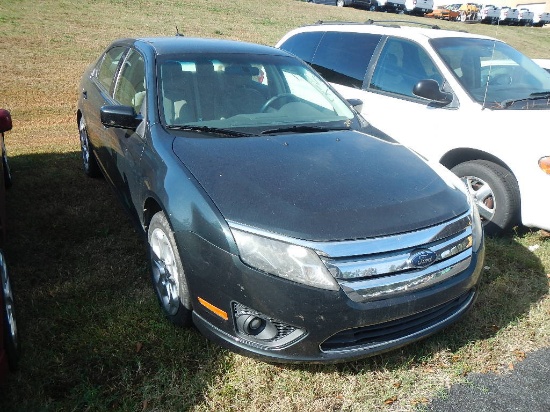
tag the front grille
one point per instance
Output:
(398, 329)
(401, 264)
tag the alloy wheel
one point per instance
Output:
(165, 271)
(483, 196)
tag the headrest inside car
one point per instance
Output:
(238, 70)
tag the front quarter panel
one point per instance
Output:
(187, 205)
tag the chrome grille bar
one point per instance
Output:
(394, 262)
(407, 282)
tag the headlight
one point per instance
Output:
(454, 181)
(286, 260)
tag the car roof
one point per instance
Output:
(180, 44)
(390, 28)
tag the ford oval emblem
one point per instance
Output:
(421, 258)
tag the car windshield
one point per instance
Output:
(247, 93)
(495, 74)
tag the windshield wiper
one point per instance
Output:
(533, 96)
(541, 95)
(302, 129)
(208, 129)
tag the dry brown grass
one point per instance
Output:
(92, 334)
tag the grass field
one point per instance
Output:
(92, 334)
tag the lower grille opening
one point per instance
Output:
(374, 335)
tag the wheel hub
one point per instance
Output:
(483, 197)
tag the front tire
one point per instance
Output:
(10, 335)
(89, 162)
(495, 191)
(8, 180)
(167, 272)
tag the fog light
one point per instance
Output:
(257, 327)
(254, 326)
(262, 331)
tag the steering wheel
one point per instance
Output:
(269, 103)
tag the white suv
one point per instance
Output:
(471, 102)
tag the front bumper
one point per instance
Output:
(324, 326)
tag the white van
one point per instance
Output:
(470, 102)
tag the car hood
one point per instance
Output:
(320, 186)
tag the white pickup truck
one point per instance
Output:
(525, 17)
(489, 14)
(419, 7)
(509, 16)
(540, 19)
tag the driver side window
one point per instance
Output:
(130, 87)
(401, 65)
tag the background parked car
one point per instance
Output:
(329, 2)
(525, 17)
(468, 12)
(419, 7)
(544, 63)
(450, 12)
(540, 19)
(367, 4)
(509, 16)
(416, 82)
(489, 14)
(278, 221)
(9, 342)
(395, 6)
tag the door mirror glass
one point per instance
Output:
(429, 89)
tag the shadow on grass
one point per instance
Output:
(92, 333)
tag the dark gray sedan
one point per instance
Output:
(278, 221)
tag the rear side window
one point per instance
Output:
(109, 65)
(341, 58)
(303, 45)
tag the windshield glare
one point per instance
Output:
(246, 92)
(494, 73)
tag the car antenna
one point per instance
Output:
(490, 67)
(178, 34)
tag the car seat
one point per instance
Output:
(178, 94)
(471, 71)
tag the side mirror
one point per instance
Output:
(429, 89)
(122, 117)
(5, 120)
(356, 103)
